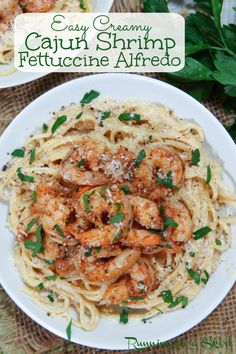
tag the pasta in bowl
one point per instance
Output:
(117, 211)
(125, 123)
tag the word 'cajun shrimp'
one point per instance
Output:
(134, 286)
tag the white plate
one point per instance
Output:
(19, 77)
(111, 335)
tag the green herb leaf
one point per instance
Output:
(86, 202)
(59, 230)
(195, 157)
(141, 156)
(40, 286)
(117, 218)
(168, 221)
(217, 8)
(136, 298)
(32, 155)
(102, 191)
(193, 71)
(34, 196)
(118, 207)
(192, 254)
(31, 224)
(208, 179)
(168, 246)
(205, 280)
(194, 275)
(52, 277)
(89, 97)
(45, 127)
(167, 181)
(24, 178)
(124, 316)
(126, 117)
(79, 115)
(81, 163)
(60, 120)
(97, 249)
(82, 4)
(68, 330)
(218, 242)
(18, 153)
(201, 232)
(105, 115)
(88, 252)
(167, 296)
(125, 189)
(51, 298)
(155, 6)
(36, 246)
(139, 261)
(180, 299)
(116, 238)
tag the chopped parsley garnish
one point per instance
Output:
(201, 232)
(208, 179)
(82, 5)
(126, 117)
(205, 280)
(136, 298)
(51, 298)
(218, 242)
(118, 207)
(86, 202)
(141, 156)
(117, 218)
(101, 192)
(139, 261)
(34, 196)
(118, 235)
(180, 299)
(168, 246)
(79, 115)
(195, 157)
(52, 277)
(31, 224)
(81, 163)
(125, 189)
(18, 153)
(36, 246)
(194, 275)
(89, 97)
(60, 120)
(68, 330)
(40, 286)
(168, 221)
(97, 249)
(24, 178)
(168, 298)
(32, 155)
(59, 230)
(150, 138)
(192, 254)
(124, 315)
(167, 181)
(105, 115)
(88, 252)
(45, 127)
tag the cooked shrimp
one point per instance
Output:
(111, 269)
(52, 250)
(166, 165)
(37, 5)
(146, 215)
(178, 212)
(8, 12)
(83, 165)
(108, 209)
(132, 287)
